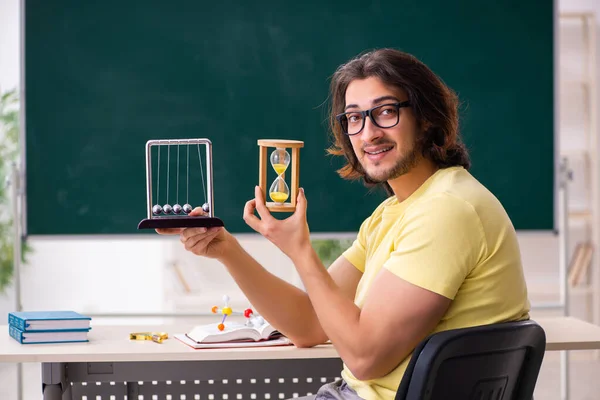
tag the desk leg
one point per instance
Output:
(20, 381)
(52, 392)
(54, 382)
(133, 390)
(564, 374)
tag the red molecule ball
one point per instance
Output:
(248, 312)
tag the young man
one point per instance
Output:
(439, 253)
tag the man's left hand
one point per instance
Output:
(290, 235)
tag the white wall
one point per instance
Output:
(580, 6)
(9, 79)
(573, 115)
(9, 44)
(136, 275)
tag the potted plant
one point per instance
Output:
(9, 153)
(329, 250)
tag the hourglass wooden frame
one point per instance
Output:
(183, 220)
(264, 164)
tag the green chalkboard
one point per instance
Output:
(102, 78)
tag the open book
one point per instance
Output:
(234, 335)
(210, 333)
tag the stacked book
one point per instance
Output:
(28, 327)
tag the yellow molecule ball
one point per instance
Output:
(227, 310)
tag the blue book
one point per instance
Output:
(38, 337)
(30, 321)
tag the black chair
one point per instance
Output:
(489, 362)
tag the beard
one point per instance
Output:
(403, 165)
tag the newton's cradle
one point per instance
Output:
(162, 214)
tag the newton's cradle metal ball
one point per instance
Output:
(177, 209)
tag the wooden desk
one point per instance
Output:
(568, 333)
(114, 366)
(111, 343)
(111, 357)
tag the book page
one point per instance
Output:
(210, 333)
(266, 331)
(282, 341)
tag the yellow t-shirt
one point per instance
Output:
(452, 237)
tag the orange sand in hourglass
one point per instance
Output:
(281, 195)
(279, 168)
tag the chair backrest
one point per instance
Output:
(489, 362)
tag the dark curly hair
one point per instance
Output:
(434, 105)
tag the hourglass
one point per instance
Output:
(279, 160)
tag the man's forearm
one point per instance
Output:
(285, 306)
(339, 316)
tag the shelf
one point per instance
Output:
(580, 214)
(567, 83)
(580, 290)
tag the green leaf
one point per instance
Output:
(328, 250)
(9, 152)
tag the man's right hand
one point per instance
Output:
(206, 242)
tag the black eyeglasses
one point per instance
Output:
(383, 116)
